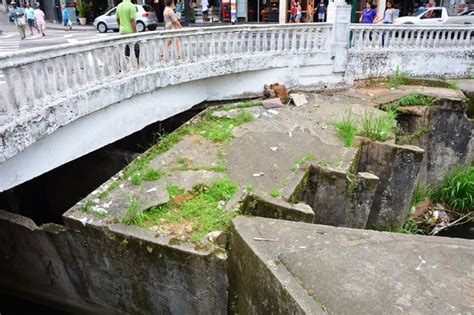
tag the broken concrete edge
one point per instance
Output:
(428, 82)
(260, 204)
(78, 220)
(70, 267)
(269, 280)
(267, 240)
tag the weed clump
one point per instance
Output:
(398, 79)
(412, 99)
(200, 211)
(347, 128)
(378, 126)
(457, 190)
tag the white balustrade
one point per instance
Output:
(383, 36)
(37, 76)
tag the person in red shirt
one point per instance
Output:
(293, 10)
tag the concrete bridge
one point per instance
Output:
(63, 102)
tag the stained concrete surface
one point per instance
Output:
(348, 271)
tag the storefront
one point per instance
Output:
(263, 11)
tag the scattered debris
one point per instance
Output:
(270, 113)
(290, 134)
(272, 103)
(274, 149)
(299, 99)
(316, 105)
(258, 174)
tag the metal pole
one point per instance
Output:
(258, 11)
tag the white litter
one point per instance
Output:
(273, 112)
(258, 174)
(151, 189)
(274, 149)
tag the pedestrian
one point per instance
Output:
(389, 16)
(368, 14)
(19, 18)
(309, 12)
(40, 19)
(293, 10)
(171, 23)
(321, 11)
(66, 22)
(125, 15)
(298, 13)
(205, 10)
(30, 15)
(179, 9)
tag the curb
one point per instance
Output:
(74, 27)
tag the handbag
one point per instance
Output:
(21, 20)
(69, 23)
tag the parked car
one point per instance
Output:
(435, 16)
(467, 12)
(146, 18)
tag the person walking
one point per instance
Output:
(125, 15)
(293, 9)
(389, 16)
(205, 10)
(30, 15)
(66, 22)
(299, 13)
(18, 15)
(309, 12)
(368, 14)
(171, 23)
(321, 11)
(40, 19)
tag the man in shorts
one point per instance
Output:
(126, 14)
(30, 15)
(205, 10)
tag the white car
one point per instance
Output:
(435, 16)
(146, 18)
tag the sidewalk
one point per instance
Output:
(75, 27)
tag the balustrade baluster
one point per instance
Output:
(71, 71)
(38, 81)
(292, 34)
(26, 87)
(286, 40)
(303, 39)
(99, 63)
(272, 40)
(11, 94)
(264, 44)
(258, 41)
(220, 44)
(280, 41)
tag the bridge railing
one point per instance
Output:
(38, 76)
(383, 36)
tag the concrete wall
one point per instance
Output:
(117, 269)
(457, 62)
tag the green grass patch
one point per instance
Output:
(400, 78)
(412, 99)
(133, 215)
(243, 104)
(249, 188)
(410, 227)
(301, 160)
(275, 192)
(347, 128)
(456, 190)
(450, 84)
(378, 126)
(213, 168)
(200, 208)
(219, 129)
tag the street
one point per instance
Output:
(10, 38)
